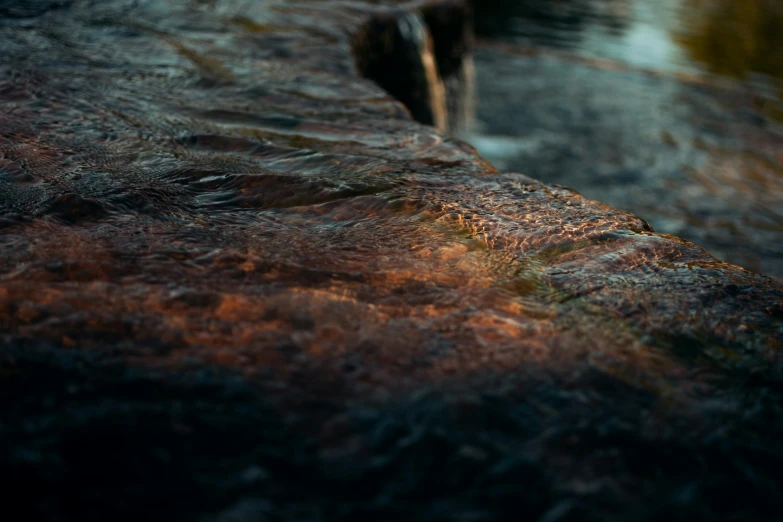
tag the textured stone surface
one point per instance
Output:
(238, 282)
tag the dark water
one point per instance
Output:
(670, 109)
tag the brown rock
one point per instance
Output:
(211, 220)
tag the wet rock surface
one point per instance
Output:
(239, 282)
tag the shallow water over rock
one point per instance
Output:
(239, 282)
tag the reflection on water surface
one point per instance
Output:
(670, 108)
(735, 38)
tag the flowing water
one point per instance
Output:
(668, 108)
(239, 282)
(201, 163)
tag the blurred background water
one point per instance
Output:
(672, 109)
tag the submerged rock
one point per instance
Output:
(239, 282)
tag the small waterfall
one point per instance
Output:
(423, 60)
(418, 45)
(450, 23)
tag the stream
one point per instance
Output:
(670, 109)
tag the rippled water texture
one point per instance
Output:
(239, 282)
(670, 109)
(201, 170)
